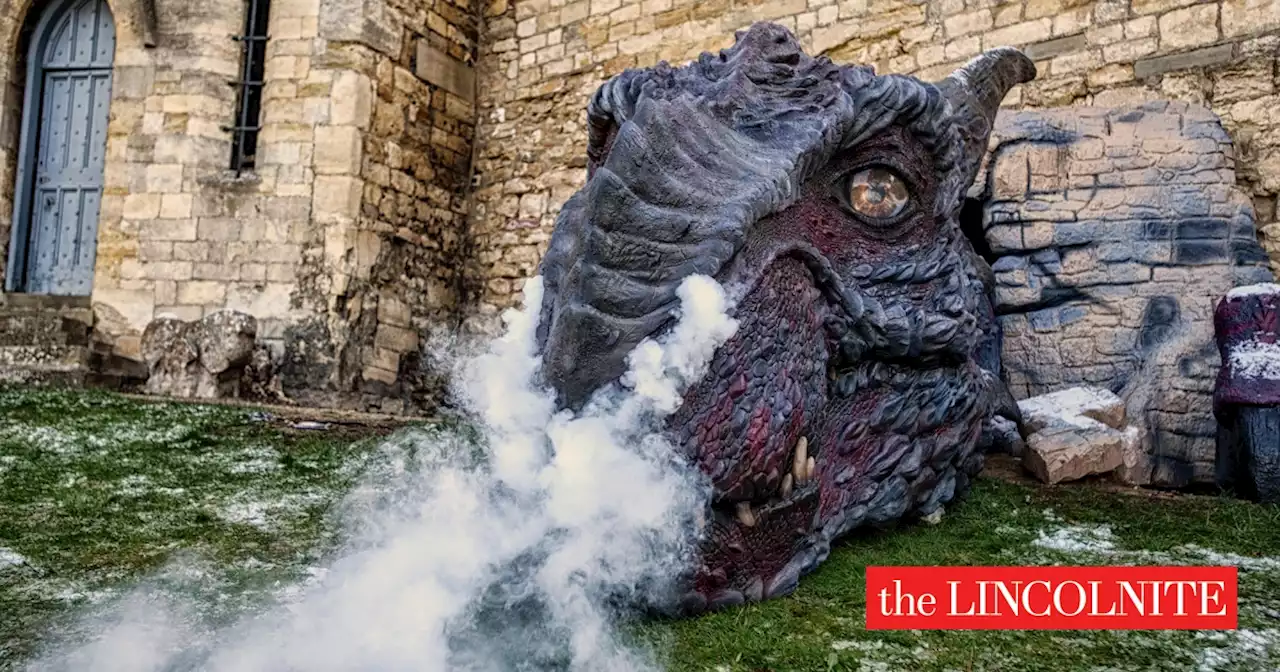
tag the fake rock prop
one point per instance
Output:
(204, 359)
(1077, 432)
(1111, 234)
(1247, 397)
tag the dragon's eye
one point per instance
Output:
(878, 193)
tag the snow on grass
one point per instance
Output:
(1216, 651)
(1096, 539)
(141, 485)
(1100, 540)
(269, 514)
(1245, 648)
(10, 558)
(256, 460)
(47, 439)
(1211, 557)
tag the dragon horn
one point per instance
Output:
(974, 93)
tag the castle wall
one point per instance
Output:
(541, 60)
(343, 238)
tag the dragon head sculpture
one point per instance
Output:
(826, 200)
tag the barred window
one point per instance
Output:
(253, 48)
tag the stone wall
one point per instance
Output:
(415, 165)
(178, 234)
(17, 22)
(542, 59)
(391, 166)
(1113, 233)
(343, 240)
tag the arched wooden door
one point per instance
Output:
(62, 150)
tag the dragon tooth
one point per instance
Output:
(809, 468)
(785, 492)
(798, 461)
(745, 515)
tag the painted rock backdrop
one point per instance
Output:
(1112, 234)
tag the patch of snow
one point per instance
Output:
(1078, 539)
(1099, 540)
(865, 646)
(260, 460)
(79, 593)
(1235, 648)
(1212, 557)
(1255, 359)
(247, 513)
(880, 655)
(267, 515)
(1254, 290)
(252, 563)
(134, 485)
(10, 558)
(46, 438)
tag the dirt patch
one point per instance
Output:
(337, 423)
(1009, 469)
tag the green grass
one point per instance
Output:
(821, 626)
(98, 492)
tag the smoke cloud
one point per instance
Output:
(513, 547)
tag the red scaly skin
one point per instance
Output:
(769, 386)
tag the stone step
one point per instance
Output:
(44, 302)
(44, 364)
(41, 320)
(41, 328)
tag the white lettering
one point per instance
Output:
(955, 599)
(1216, 597)
(1026, 595)
(1057, 598)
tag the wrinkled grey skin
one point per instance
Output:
(874, 341)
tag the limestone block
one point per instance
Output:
(352, 100)
(1243, 17)
(1068, 454)
(142, 206)
(1074, 433)
(1019, 34)
(337, 198)
(1073, 406)
(203, 359)
(1189, 27)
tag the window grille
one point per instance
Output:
(253, 48)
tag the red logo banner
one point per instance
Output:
(1051, 598)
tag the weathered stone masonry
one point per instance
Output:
(541, 60)
(1113, 234)
(414, 153)
(343, 239)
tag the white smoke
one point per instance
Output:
(511, 556)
